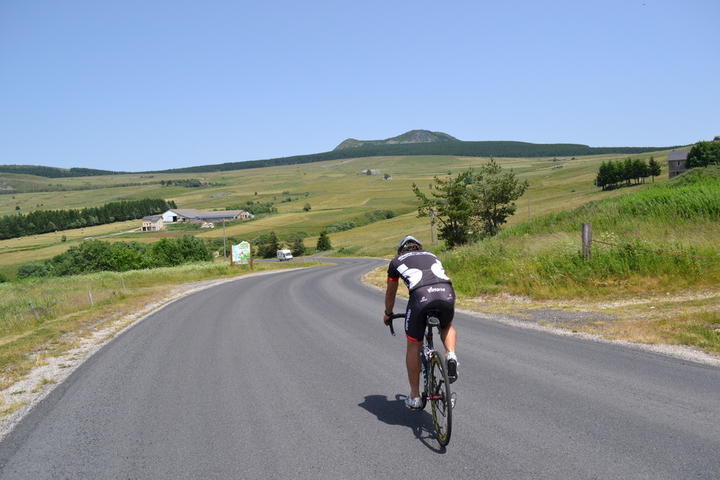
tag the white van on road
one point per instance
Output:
(284, 255)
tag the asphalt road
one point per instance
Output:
(292, 375)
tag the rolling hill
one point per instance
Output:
(414, 142)
(413, 136)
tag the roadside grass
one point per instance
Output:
(13, 407)
(702, 330)
(683, 323)
(42, 384)
(45, 317)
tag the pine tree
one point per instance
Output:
(654, 168)
(298, 247)
(603, 177)
(323, 242)
(273, 245)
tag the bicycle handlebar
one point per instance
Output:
(393, 317)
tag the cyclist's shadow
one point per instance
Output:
(394, 412)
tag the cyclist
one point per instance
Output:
(430, 289)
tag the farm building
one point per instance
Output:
(153, 223)
(193, 215)
(676, 162)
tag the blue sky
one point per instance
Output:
(137, 85)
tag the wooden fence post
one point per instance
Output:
(587, 240)
(32, 307)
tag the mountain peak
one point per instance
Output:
(413, 136)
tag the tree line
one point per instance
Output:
(44, 221)
(188, 183)
(625, 172)
(37, 188)
(54, 172)
(267, 245)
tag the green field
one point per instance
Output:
(336, 190)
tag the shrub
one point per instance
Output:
(33, 269)
(362, 220)
(96, 256)
(323, 242)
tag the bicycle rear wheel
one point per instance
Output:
(440, 399)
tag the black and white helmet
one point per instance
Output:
(407, 240)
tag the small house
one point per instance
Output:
(677, 162)
(153, 223)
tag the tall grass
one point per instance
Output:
(663, 237)
(675, 203)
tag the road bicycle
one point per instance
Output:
(436, 386)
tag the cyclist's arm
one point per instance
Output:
(390, 292)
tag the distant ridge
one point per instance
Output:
(413, 136)
(414, 142)
(457, 148)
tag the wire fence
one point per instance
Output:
(658, 252)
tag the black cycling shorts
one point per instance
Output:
(439, 298)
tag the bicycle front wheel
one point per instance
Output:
(440, 399)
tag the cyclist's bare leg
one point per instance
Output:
(412, 360)
(448, 336)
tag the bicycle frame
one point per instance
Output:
(426, 353)
(428, 348)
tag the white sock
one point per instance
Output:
(452, 355)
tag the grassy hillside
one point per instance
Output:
(336, 191)
(663, 239)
